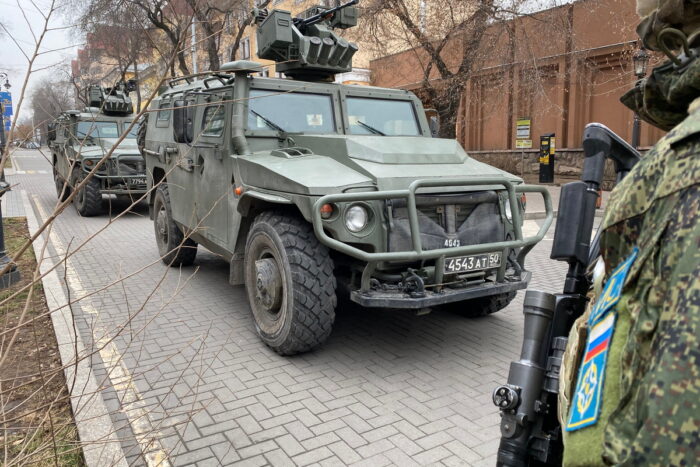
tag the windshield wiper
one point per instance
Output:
(370, 128)
(268, 122)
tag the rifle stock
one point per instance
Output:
(530, 430)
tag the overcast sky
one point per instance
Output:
(59, 45)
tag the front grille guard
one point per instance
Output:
(417, 253)
(113, 163)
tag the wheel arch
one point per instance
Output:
(249, 206)
(157, 178)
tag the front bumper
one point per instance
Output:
(396, 299)
(417, 253)
(122, 175)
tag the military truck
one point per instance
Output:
(79, 139)
(312, 189)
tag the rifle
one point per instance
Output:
(530, 429)
(302, 23)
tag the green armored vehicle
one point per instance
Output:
(80, 139)
(312, 189)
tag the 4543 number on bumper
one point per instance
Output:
(473, 263)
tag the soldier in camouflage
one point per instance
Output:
(650, 400)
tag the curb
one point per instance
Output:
(96, 431)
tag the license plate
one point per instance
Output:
(138, 182)
(472, 263)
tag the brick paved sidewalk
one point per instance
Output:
(388, 388)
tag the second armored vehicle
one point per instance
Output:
(80, 139)
(306, 187)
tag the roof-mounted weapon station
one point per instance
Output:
(306, 47)
(114, 100)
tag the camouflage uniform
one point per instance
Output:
(650, 411)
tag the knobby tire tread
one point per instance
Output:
(314, 283)
(482, 306)
(93, 196)
(181, 251)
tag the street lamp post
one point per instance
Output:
(11, 273)
(640, 59)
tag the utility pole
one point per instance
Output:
(194, 46)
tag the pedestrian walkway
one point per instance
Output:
(179, 360)
(535, 203)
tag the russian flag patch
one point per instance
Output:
(589, 387)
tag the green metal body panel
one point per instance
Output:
(306, 171)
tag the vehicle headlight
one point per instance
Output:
(356, 218)
(509, 213)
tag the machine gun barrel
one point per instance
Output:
(302, 23)
(530, 430)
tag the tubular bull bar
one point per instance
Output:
(417, 253)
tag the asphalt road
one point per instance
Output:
(387, 388)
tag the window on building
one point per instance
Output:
(213, 121)
(228, 24)
(245, 48)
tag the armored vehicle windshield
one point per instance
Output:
(291, 112)
(96, 129)
(381, 117)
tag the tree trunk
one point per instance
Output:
(445, 100)
(212, 48)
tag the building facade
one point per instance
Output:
(557, 69)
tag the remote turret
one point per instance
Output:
(114, 100)
(306, 47)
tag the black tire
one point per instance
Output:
(174, 249)
(290, 283)
(482, 306)
(60, 183)
(88, 200)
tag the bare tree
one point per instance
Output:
(448, 43)
(49, 98)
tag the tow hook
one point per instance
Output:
(413, 285)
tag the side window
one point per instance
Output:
(213, 121)
(163, 117)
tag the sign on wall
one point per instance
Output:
(523, 127)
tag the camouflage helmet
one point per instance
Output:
(668, 25)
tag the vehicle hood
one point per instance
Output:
(102, 145)
(336, 163)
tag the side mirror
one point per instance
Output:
(433, 122)
(183, 121)
(51, 131)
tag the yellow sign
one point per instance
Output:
(523, 144)
(544, 160)
(522, 128)
(552, 145)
